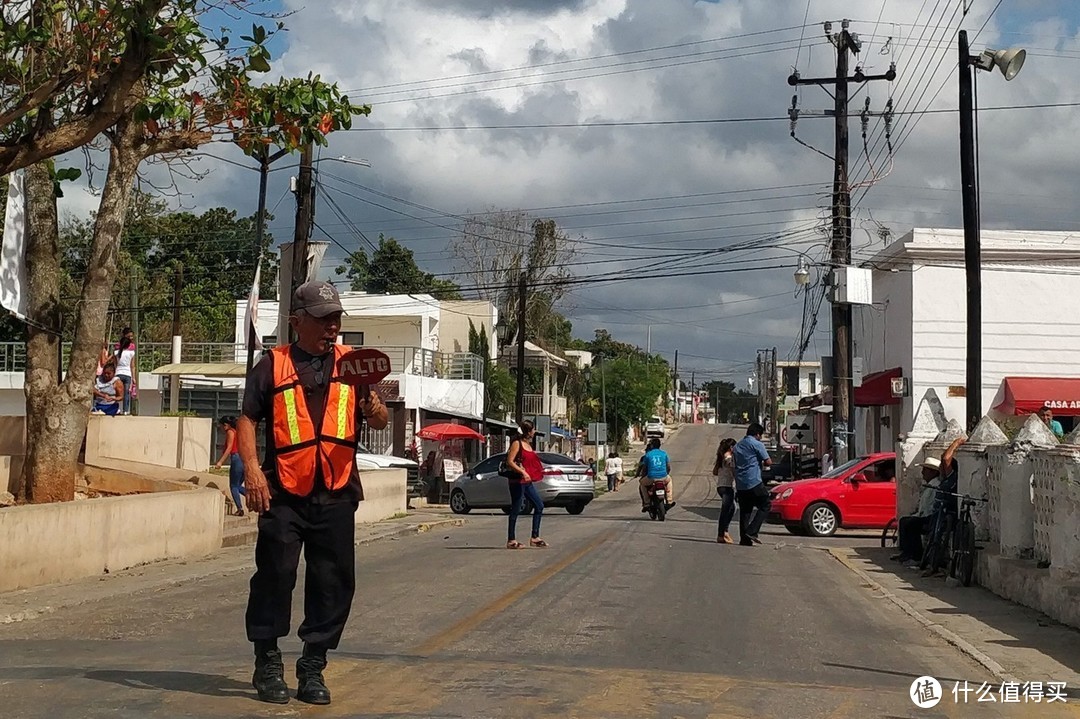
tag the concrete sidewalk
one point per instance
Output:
(1017, 644)
(29, 603)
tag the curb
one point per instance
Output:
(408, 529)
(948, 635)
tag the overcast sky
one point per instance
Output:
(485, 63)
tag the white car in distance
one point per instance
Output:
(654, 427)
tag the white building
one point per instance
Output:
(795, 380)
(916, 328)
(427, 340)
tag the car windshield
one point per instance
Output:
(844, 468)
(550, 458)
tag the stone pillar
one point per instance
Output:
(1064, 519)
(1015, 507)
(974, 467)
(929, 423)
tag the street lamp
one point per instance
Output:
(1009, 62)
(502, 330)
(802, 275)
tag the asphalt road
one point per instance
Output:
(620, 617)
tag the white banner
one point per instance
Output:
(13, 255)
(251, 316)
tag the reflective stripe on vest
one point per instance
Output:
(298, 450)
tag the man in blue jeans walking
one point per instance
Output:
(750, 457)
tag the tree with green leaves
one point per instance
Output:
(141, 79)
(499, 386)
(392, 269)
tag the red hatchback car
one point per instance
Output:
(860, 494)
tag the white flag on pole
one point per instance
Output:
(13, 252)
(251, 317)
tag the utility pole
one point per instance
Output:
(693, 396)
(305, 218)
(675, 388)
(774, 396)
(972, 240)
(178, 285)
(265, 160)
(177, 340)
(843, 404)
(519, 395)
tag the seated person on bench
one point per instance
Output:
(941, 476)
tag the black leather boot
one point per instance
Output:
(269, 676)
(310, 685)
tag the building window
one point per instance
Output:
(813, 383)
(791, 381)
(353, 339)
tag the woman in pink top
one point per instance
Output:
(525, 466)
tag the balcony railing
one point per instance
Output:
(151, 355)
(534, 404)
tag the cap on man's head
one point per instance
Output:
(932, 463)
(318, 299)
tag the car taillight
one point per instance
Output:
(552, 472)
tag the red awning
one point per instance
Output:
(876, 389)
(1025, 395)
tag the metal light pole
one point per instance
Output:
(1009, 62)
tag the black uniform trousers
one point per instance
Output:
(326, 532)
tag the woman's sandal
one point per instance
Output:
(537, 543)
(515, 545)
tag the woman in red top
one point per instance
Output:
(528, 469)
(236, 466)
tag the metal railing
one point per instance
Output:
(534, 404)
(151, 355)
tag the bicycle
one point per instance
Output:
(962, 562)
(890, 536)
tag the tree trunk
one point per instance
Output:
(57, 412)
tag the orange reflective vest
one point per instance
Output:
(297, 445)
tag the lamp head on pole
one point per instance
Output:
(802, 275)
(502, 329)
(1008, 61)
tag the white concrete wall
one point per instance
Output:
(385, 495)
(180, 442)
(49, 543)
(13, 396)
(454, 324)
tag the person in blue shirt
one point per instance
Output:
(750, 457)
(653, 466)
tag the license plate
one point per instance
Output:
(660, 493)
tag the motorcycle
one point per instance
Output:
(658, 500)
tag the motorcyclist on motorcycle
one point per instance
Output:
(655, 465)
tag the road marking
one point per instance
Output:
(450, 635)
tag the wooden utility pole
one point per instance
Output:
(305, 219)
(675, 387)
(843, 403)
(519, 395)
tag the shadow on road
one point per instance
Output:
(211, 685)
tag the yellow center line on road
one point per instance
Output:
(455, 632)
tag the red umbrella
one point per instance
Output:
(440, 432)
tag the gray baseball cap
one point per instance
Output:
(318, 299)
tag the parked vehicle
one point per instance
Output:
(854, 495)
(566, 483)
(780, 470)
(367, 460)
(654, 427)
(658, 500)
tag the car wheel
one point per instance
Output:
(575, 508)
(526, 506)
(821, 520)
(796, 529)
(458, 503)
